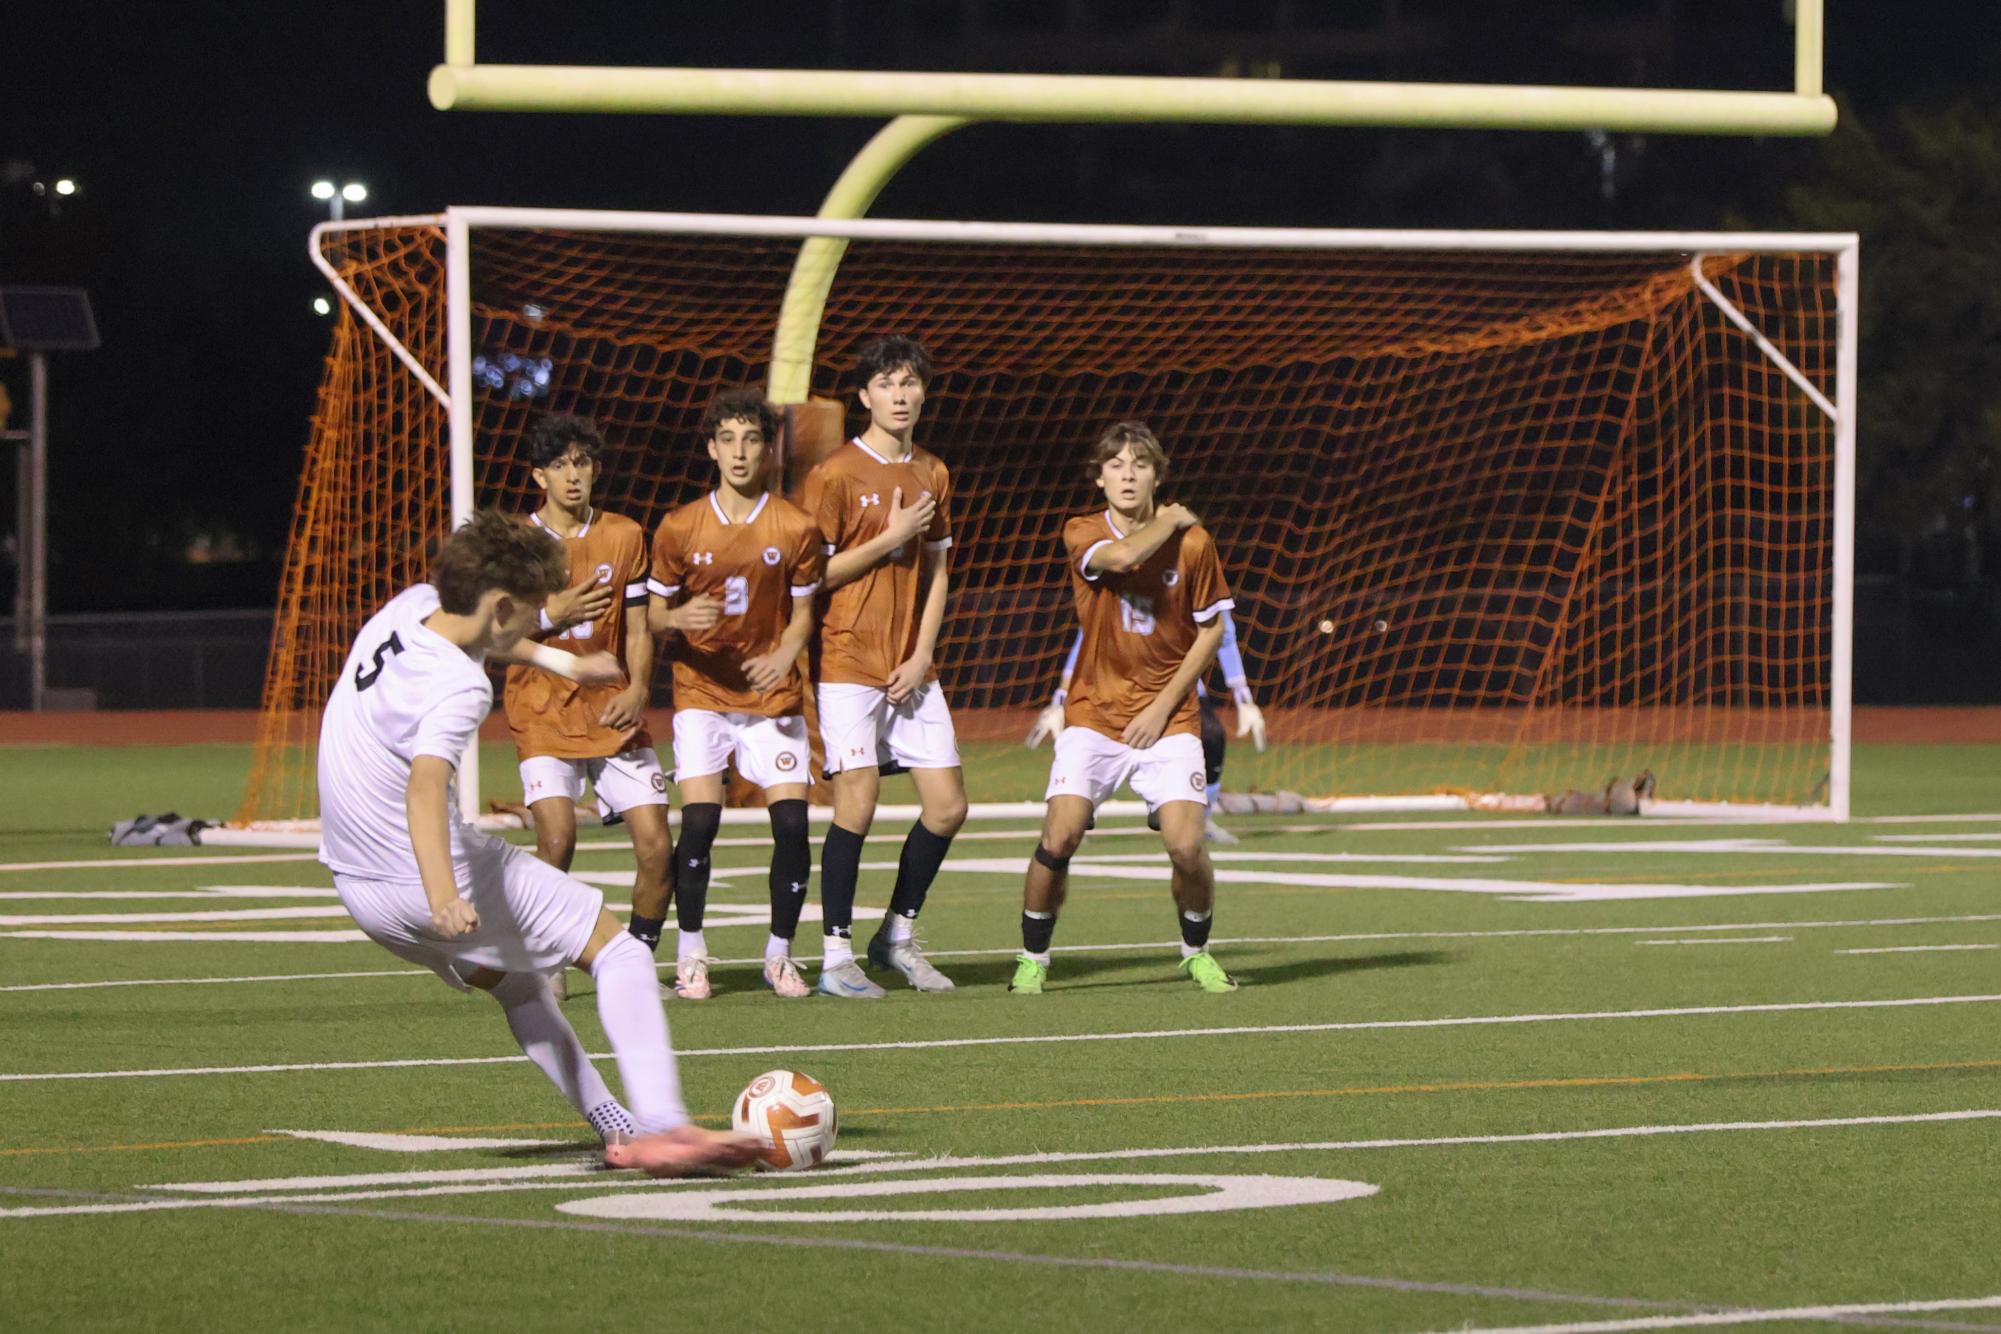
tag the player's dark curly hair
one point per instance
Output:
(741, 405)
(555, 435)
(496, 550)
(892, 352)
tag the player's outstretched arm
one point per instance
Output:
(902, 527)
(426, 798)
(588, 669)
(1132, 551)
(1250, 718)
(910, 674)
(1151, 722)
(1049, 723)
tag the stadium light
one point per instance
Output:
(338, 197)
(322, 306)
(66, 186)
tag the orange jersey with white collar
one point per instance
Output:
(553, 716)
(869, 626)
(755, 567)
(1138, 626)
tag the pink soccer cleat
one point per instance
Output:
(684, 1151)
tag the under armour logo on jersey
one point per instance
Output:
(798, 886)
(872, 498)
(702, 558)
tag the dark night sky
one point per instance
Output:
(196, 127)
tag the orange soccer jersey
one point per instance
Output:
(1138, 626)
(869, 626)
(756, 567)
(552, 716)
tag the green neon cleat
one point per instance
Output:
(1207, 974)
(1028, 976)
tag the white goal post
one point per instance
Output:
(461, 226)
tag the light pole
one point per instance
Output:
(338, 197)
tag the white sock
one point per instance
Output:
(692, 946)
(629, 1009)
(1042, 958)
(1215, 791)
(901, 928)
(547, 1039)
(776, 947)
(835, 951)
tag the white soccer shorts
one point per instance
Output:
(621, 782)
(532, 917)
(769, 752)
(1092, 765)
(860, 727)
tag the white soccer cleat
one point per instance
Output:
(849, 982)
(907, 957)
(1215, 833)
(782, 976)
(691, 978)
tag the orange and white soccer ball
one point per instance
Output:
(793, 1114)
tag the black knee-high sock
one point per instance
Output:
(791, 866)
(840, 868)
(699, 823)
(923, 853)
(1195, 929)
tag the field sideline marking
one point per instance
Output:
(1361, 937)
(1745, 1317)
(1135, 1035)
(1917, 949)
(1254, 1095)
(1718, 940)
(126, 863)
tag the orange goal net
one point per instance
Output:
(1502, 515)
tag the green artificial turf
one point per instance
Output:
(1341, 1066)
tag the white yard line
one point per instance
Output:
(1917, 949)
(1738, 847)
(127, 863)
(1935, 838)
(1719, 940)
(1743, 1317)
(1136, 1035)
(565, 1175)
(1359, 937)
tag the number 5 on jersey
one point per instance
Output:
(364, 677)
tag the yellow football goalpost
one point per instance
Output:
(924, 107)
(927, 106)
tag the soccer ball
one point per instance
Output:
(793, 1114)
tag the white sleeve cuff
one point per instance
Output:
(830, 549)
(1210, 612)
(939, 545)
(664, 590)
(637, 588)
(542, 619)
(805, 590)
(1084, 562)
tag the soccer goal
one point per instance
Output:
(1506, 514)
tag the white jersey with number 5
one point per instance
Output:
(404, 691)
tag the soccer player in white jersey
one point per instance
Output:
(482, 913)
(1215, 742)
(735, 573)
